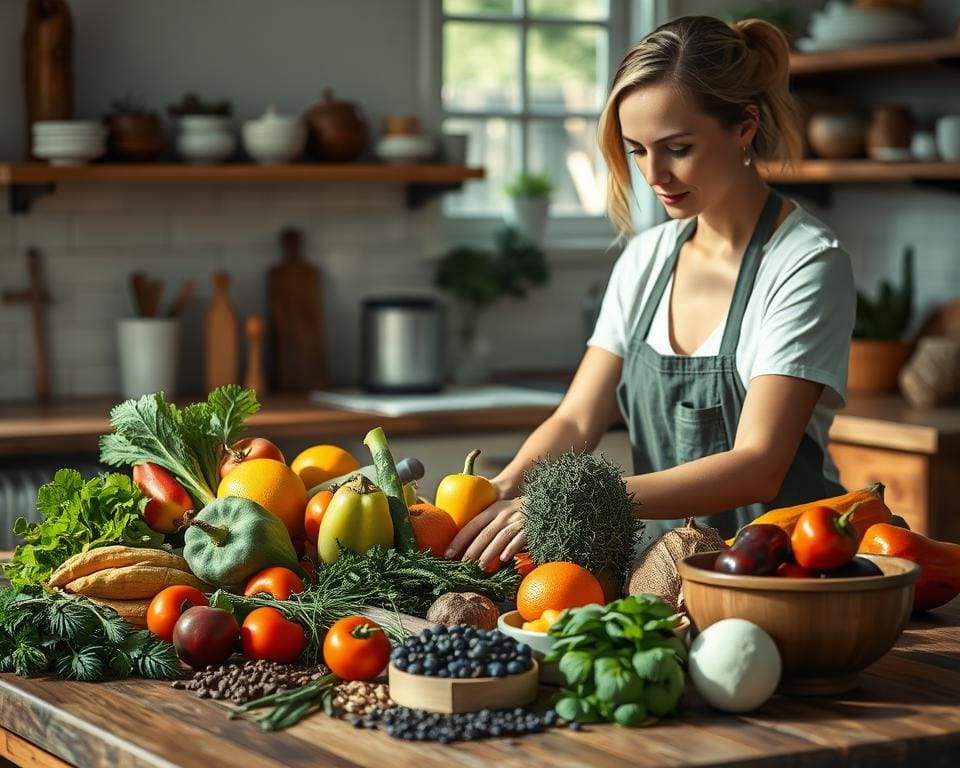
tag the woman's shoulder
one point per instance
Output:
(803, 240)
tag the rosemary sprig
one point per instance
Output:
(290, 707)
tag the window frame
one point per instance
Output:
(628, 20)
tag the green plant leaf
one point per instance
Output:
(662, 697)
(615, 684)
(653, 664)
(576, 667)
(632, 714)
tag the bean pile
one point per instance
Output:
(418, 725)
(461, 651)
(240, 683)
(358, 698)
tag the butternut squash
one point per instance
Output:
(134, 612)
(115, 556)
(132, 582)
(870, 509)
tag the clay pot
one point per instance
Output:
(134, 137)
(889, 134)
(338, 131)
(875, 365)
(836, 136)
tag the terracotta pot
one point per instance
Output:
(889, 134)
(836, 135)
(875, 365)
(338, 131)
(135, 137)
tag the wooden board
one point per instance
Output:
(904, 714)
(221, 343)
(297, 341)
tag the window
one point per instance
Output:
(526, 81)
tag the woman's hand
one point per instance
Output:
(495, 533)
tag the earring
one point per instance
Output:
(746, 156)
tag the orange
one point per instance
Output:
(544, 623)
(273, 485)
(433, 529)
(320, 463)
(557, 586)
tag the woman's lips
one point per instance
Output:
(673, 199)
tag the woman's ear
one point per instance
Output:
(750, 124)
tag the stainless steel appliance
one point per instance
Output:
(403, 344)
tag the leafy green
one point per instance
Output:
(70, 636)
(188, 442)
(888, 316)
(620, 662)
(78, 515)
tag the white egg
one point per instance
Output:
(735, 665)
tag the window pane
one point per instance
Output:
(493, 144)
(570, 9)
(480, 66)
(567, 150)
(479, 7)
(566, 66)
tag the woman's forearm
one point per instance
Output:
(705, 486)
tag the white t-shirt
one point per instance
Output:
(798, 320)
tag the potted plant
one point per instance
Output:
(877, 351)
(529, 196)
(205, 134)
(135, 132)
(478, 278)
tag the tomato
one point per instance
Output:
(167, 607)
(314, 514)
(824, 539)
(246, 449)
(266, 634)
(277, 581)
(794, 571)
(356, 648)
(523, 563)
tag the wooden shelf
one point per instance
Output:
(27, 181)
(860, 171)
(909, 54)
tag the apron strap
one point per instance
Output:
(748, 273)
(653, 301)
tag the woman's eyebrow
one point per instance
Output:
(659, 141)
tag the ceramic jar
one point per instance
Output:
(836, 136)
(948, 137)
(338, 131)
(205, 138)
(274, 138)
(134, 136)
(889, 134)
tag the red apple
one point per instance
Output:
(246, 449)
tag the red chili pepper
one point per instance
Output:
(824, 539)
(168, 499)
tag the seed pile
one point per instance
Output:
(418, 725)
(240, 683)
(359, 698)
(462, 651)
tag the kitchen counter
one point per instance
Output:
(903, 714)
(73, 426)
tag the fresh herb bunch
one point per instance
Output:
(577, 509)
(290, 707)
(620, 662)
(186, 441)
(78, 515)
(401, 582)
(70, 636)
(529, 185)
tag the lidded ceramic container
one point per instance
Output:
(274, 138)
(338, 130)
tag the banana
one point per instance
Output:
(133, 611)
(93, 560)
(131, 582)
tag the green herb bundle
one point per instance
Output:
(70, 636)
(620, 662)
(288, 708)
(188, 442)
(78, 515)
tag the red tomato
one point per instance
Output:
(246, 449)
(794, 571)
(356, 648)
(312, 518)
(277, 581)
(167, 606)
(824, 539)
(266, 634)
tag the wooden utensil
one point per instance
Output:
(254, 379)
(220, 337)
(36, 296)
(296, 321)
(182, 299)
(47, 64)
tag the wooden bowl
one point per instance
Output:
(827, 630)
(445, 694)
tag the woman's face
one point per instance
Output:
(686, 156)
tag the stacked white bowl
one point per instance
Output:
(69, 142)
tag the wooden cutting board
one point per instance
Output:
(297, 343)
(221, 345)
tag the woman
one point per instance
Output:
(724, 333)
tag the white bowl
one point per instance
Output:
(948, 137)
(69, 153)
(405, 149)
(276, 140)
(68, 128)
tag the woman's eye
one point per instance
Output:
(636, 151)
(679, 151)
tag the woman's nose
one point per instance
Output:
(655, 171)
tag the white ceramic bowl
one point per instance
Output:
(405, 149)
(44, 128)
(275, 141)
(69, 151)
(205, 138)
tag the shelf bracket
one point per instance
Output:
(419, 194)
(23, 195)
(818, 193)
(943, 185)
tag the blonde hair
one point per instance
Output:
(725, 68)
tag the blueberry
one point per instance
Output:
(431, 662)
(496, 669)
(550, 718)
(400, 662)
(415, 669)
(356, 722)
(575, 726)
(514, 668)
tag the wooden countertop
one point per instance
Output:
(73, 426)
(903, 714)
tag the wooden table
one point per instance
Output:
(905, 713)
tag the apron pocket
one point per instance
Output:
(699, 432)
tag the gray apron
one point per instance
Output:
(680, 408)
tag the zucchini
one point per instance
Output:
(389, 481)
(409, 469)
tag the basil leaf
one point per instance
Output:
(614, 683)
(632, 714)
(653, 664)
(576, 666)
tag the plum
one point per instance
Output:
(205, 635)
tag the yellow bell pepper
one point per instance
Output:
(357, 517)
(465, 495)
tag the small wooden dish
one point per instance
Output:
(445, 694)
